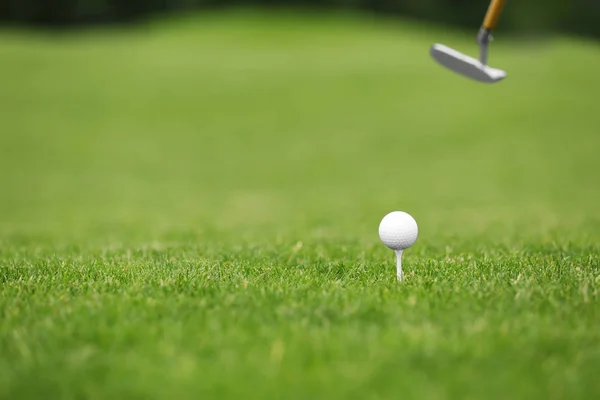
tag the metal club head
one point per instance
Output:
(465, 65)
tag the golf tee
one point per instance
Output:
(399, 265)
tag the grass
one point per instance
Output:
(189, 209)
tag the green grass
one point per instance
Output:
(189, 210)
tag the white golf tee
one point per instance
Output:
(399, 265)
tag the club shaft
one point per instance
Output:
(493, 14)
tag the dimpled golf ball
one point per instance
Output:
(398, 230)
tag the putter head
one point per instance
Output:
(465, 65)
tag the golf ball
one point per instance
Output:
(398, 230)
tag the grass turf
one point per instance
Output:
(190, 208)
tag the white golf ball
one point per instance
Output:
(398, 230)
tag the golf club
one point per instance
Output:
(470, 67)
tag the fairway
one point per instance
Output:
(189, 209)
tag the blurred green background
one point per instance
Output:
(178, 113)
(530, 16)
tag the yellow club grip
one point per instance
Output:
(493, 14)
